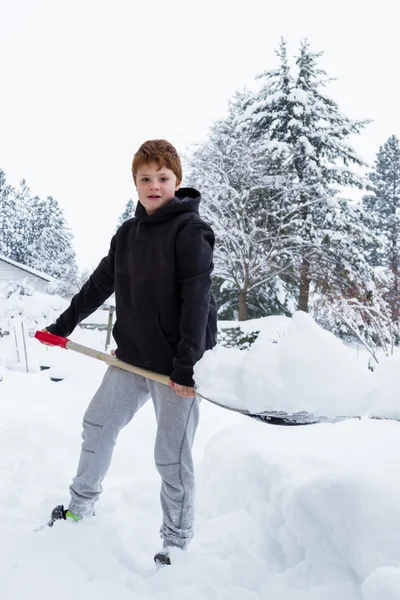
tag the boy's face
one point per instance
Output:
(155, 187)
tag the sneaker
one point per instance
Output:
(162, 558)
(59, 512)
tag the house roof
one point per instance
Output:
(27, 269)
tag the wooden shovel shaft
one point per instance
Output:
(116, 362)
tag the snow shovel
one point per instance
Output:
(271, 417)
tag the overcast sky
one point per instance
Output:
(83, 83)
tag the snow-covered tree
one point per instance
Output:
(348, 297)
(33, 232)
(15, 219)
(364, 318)
(246, 203)
(128, 213)
(383, 205)
(291, 109)
(83, 276)
(8, 216)
(52, 251)
(23, 240)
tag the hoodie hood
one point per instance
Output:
(185, 200)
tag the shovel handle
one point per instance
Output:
(49, 338)
(56, 340)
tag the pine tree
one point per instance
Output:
(129, 212)
(51, 244)
(20, 250)
(246, 204)
(8, 216)
(292, 111)
(33, 232)
(383, 205)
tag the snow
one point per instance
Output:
(388, 383)
(309, 501)
(307, 513)
(294, 366)
(308, 148)
(27, 269)
(38, 310)
(298, 95)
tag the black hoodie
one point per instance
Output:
(159, 266)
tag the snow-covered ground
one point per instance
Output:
(307, 513)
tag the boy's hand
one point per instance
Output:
(183, 391)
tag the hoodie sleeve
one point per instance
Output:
(93, 293)
(194, 257)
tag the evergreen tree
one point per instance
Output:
(291, 110)
(383, 205)
(246, 204)
(52, 251)
(8, 216)
(129, 212)
(33, 232)
(20, 250)
(15, 217)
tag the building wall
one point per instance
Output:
(10, 273)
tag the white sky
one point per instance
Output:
(85, 82)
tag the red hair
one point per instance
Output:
(160, 152)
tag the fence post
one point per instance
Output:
(26, 355)
(16, 342)
(109, 326)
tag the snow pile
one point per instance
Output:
(23, 314)
(20, 316)
(388, 383)
(308, 513)
(308, 369)
(58, 362)
(36, 310)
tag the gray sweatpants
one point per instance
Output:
(119, 397)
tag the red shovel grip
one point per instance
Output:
(50, 338)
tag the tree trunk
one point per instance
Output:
(396, 294)
(305, 280)
(243, 312)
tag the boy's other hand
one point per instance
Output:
(183, 391)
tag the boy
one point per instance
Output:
(159, 266)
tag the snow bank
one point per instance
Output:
(308, 369)
(382, 584)
(387, 404)
(22, 315)
(310, 513)
(36, 310)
